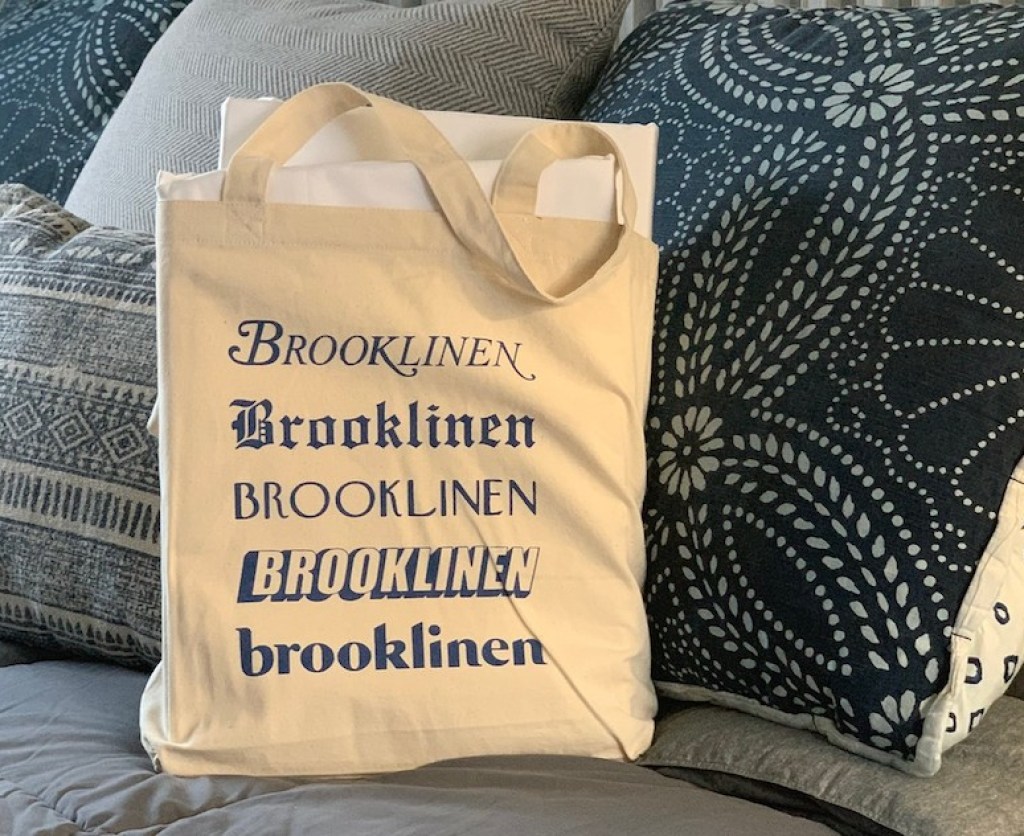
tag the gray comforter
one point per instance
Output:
(71, 763)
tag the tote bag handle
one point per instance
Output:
(469, 213)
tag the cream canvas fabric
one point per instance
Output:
(401, 466)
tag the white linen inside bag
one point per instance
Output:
(579, 188)
(401, 466)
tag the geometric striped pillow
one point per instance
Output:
(79, 489)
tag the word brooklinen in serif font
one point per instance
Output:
(334, 575)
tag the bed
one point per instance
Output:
(80, 604)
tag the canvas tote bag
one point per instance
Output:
(402, 467)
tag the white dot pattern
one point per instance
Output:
(65, 65)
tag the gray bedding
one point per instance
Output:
(71, 763)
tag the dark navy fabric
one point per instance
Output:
(836, 401)
(65, 65)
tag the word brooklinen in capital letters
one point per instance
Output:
(389, 572)
(267, 344)
(385, 498)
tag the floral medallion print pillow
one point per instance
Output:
(835, 505)
(65, 65)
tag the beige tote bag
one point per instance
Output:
(402, 466)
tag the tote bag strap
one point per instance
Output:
(515, 189)
(469, 213)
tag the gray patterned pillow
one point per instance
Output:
(525, 57)
(79, 501)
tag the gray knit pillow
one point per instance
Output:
(79, 487)
(526, 57)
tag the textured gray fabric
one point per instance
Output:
(79, 556)
(71, 763)
(526, 57)
(974, 792)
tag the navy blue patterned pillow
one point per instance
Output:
(835, 505)
(65, 65)
(79, 487)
